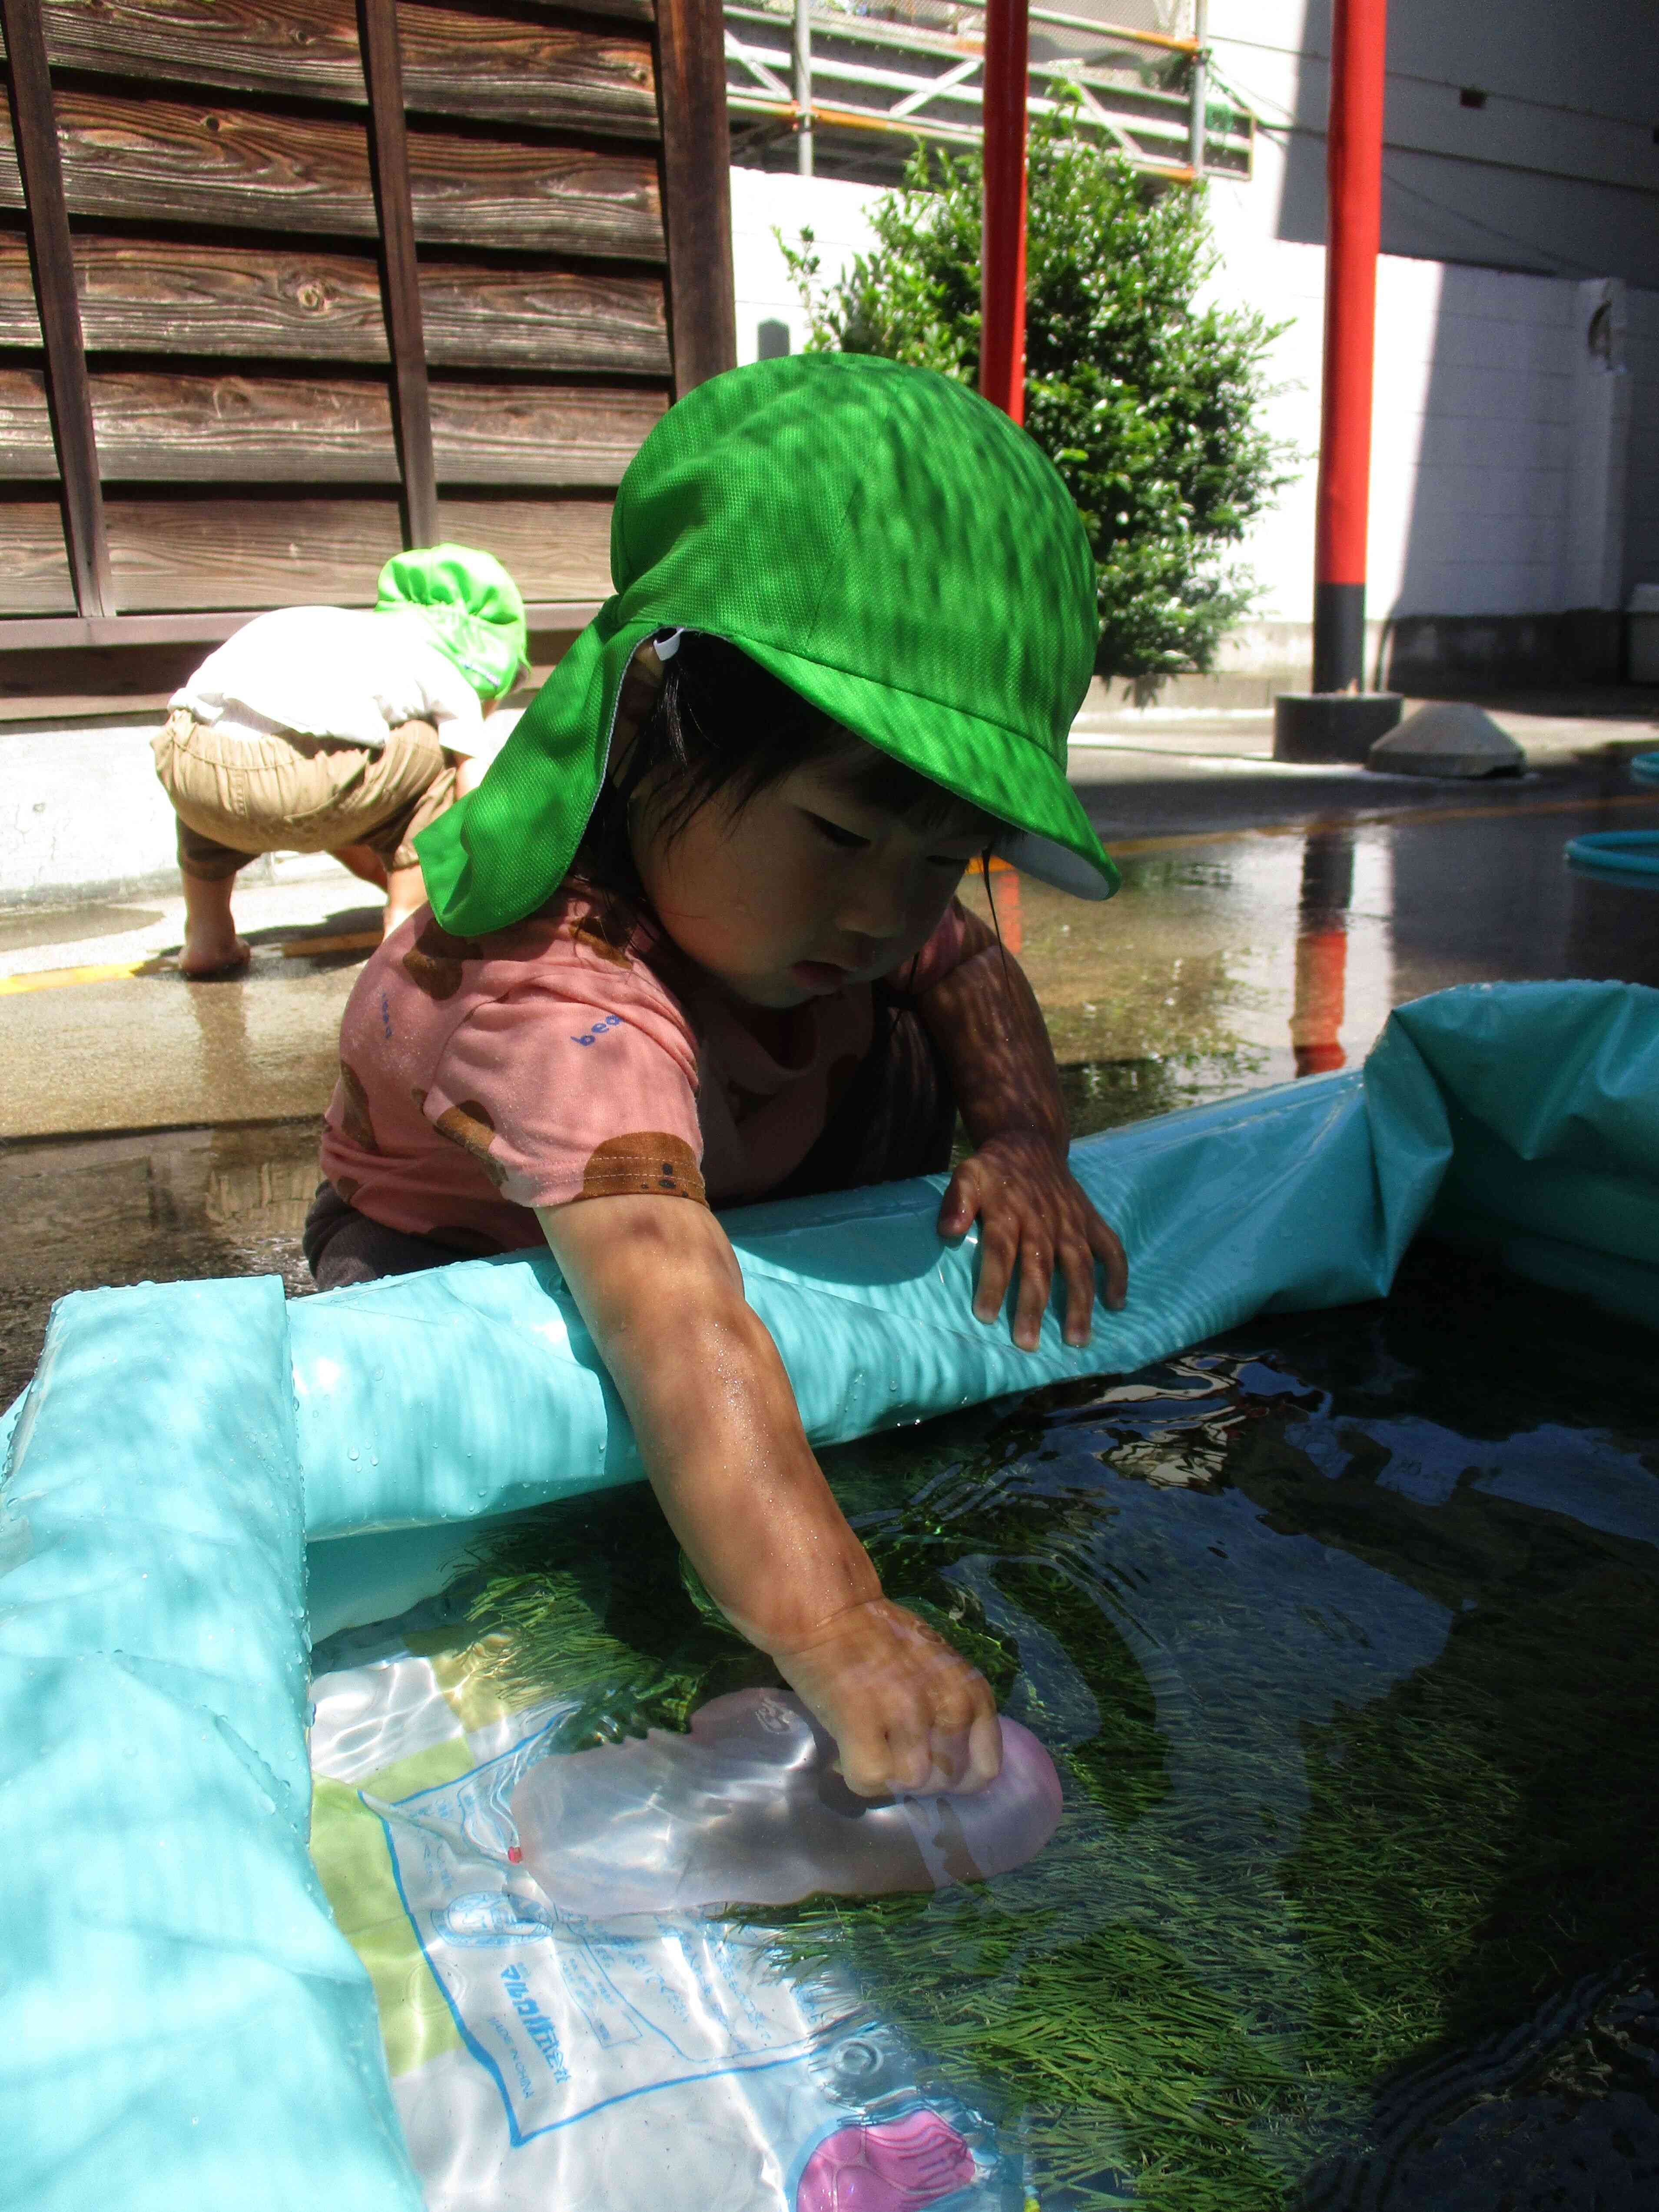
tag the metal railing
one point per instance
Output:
(914, 69)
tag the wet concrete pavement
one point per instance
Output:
(1269, 919)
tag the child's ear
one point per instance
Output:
(641, 680)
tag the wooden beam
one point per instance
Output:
(77, 633)
(556, 75)
(299, 303)
(389, 145)
(166, 428)
(159, 160)
(696, 188)
(34, 138)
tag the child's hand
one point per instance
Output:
(906, 1712)
(1031, 1210)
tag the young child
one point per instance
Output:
(694, 940)
(325, 729)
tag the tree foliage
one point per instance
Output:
(1147, 402)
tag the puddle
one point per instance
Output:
(163, 1208)
(1341, 1631)
(22, 932)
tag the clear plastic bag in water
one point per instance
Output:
(748, 1808)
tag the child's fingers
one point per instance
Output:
(984, 1750)
(1036, 1280)
(961, 1202)
(1103, 1242)
(998, 1248)
(1077, 1265)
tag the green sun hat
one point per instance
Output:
(879, 538)
(469, 606)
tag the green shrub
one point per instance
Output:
(1147, 403)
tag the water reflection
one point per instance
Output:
(1321, 949)
(114, 1210)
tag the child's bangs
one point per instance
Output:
(876, 779)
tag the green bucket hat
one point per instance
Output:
(470, 604)
(878, 537)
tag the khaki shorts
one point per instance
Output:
(237, 797)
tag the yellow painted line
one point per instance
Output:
(54, 979)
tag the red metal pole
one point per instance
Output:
(1002, 281)
(1353, 228)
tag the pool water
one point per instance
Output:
(1343, 1631)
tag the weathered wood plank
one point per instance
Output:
(164, 160)
(555, 549)
(249, 553)
(272, 553)
(25, 447)
(492, 68)
(278, 430)
(515, 434)
(291, 304)
(34, 570)
(483, 317)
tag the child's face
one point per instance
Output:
(807, 888)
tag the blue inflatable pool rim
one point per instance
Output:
(1632, 856)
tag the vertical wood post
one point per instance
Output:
(1002, 283)
(1353, 225)
(388, 137)
(696, 178)
(51, 259)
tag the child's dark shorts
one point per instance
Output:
(895, 1118)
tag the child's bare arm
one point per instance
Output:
(984, 1020)
(657, 1285)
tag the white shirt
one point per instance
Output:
(335, 672)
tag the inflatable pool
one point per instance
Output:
(201, 1480)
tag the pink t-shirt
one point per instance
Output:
(576, 1056)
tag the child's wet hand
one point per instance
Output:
(1033, 1214)
(908, 1713)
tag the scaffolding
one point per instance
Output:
(860, 80)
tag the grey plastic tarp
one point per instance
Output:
(181, 2025)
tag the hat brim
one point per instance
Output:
(1010, 775)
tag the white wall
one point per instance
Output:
(1556, 173)
(761, 204)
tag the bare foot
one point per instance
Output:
(211, 946)
(206, 953)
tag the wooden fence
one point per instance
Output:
(285, 285)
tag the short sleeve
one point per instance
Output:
(559, 1096)
(959, 936)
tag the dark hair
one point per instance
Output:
(720, 726)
